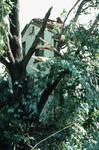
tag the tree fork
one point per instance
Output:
(37, 39)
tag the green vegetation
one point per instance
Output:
(56, 108)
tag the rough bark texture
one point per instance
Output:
(14, 19)
(15, 33)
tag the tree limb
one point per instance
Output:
(62, 30)
(94, 24)
(69, 14)
(49, 89)
(9, 53)
(48, 47)
(4, 62)
(80, 9)
(14, 30)
(36, 41)
(71, 124)
(83, 10)
(14, 19)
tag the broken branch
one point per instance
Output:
(36, 41)
(48, 90)
(49, 47)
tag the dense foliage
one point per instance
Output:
(60, 107)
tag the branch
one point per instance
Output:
(15, 30)
(53, 134)
(62, 30)
(14, 19)
(83, 10)
(10, 55)
(36, 41)
(80, 9)
(49, 89)
(94, 24)
(4, 62)
(49, 47)
(40, 58)
(69, 14)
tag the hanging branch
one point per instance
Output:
(71, 124)
(36, 41)
(48, 90)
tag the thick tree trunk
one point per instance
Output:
(18, 77)
(15, 33)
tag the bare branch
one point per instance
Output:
(36, 41)
(48, 47)
(69, 14)
(14, 23)
(40, 58)
(94, 24)
(79, 10)
(9, 53)
(83, 10)
(69, 125)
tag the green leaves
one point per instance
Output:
(74, 99)
(5, 9)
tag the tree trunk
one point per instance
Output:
(19, 82)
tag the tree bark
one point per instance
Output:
(15, 33)
(14, 19)
(18, 78)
